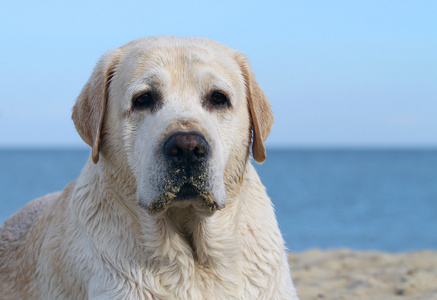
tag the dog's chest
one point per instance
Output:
(193, 281)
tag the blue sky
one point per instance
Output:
(338, 73)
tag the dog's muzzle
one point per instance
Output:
(186, 157)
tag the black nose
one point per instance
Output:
(186, 148)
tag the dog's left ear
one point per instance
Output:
(259, 108)
(90, 107)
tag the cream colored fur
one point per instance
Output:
(101, 239)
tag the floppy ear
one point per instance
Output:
(259, 108)
(89, 110)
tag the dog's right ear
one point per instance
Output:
(89, 110)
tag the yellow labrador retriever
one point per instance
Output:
(169, 205)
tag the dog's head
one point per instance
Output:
(178, 112)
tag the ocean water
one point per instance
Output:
(361, 199)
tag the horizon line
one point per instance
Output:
(268, 147)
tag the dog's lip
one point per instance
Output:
(186, 194)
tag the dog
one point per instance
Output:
(168, 205)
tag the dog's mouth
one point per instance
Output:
(183, 193)
(187, 192)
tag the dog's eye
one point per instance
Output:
(143, 101)
(219, 99)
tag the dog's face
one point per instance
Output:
(178, 113)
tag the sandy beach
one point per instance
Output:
(347, 274)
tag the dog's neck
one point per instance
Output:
(206, 239)
(206, 248)
(209, 237)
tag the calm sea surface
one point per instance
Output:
(370, 199)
